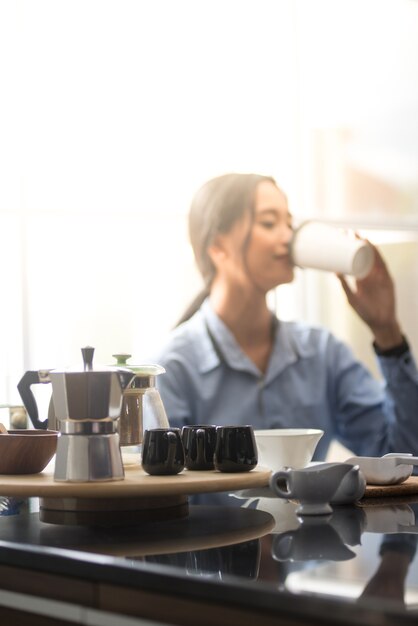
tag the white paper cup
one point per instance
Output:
(323, 247)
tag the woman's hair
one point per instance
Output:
(215, 208)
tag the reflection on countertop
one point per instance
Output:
(354, 554)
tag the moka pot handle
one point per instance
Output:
(24, 388)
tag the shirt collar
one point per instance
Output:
(287, 347)
(224, 344)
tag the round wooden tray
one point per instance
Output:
(137, 498)
(135, 484)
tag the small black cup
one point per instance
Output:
(162, 451)
(199, 446)
(236, 449)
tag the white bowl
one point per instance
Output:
(286, 447)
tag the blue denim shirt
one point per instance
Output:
(312, 381)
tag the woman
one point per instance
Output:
(231, 361)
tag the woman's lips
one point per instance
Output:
(282, 257)
(284, 260)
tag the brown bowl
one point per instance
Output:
(26, 451)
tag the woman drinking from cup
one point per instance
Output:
(232, 361)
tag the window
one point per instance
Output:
(113, 113)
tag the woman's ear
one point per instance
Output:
(217, 251)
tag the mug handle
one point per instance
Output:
(279, 483)
(172, 448)
(200, 444)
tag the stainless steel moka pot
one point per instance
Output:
(87, 405)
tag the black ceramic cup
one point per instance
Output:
(162, 451)
(236, 449)
(199, 444)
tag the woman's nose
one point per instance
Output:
(287, 234)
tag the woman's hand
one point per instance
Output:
(373, 299)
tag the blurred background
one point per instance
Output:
(114, 112)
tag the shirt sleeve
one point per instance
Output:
(176, 392)
(376, 418)
(401, 399)
(181, 386)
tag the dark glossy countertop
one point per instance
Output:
(356, 565)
